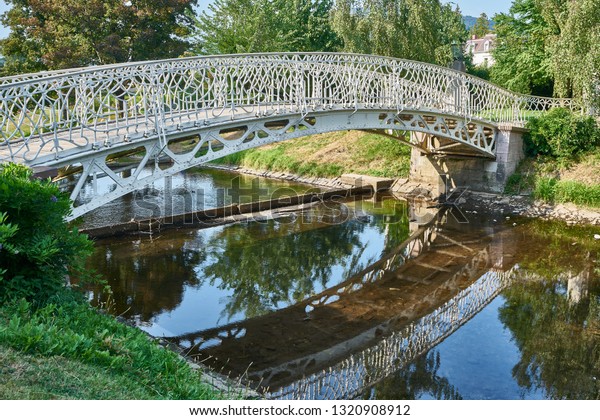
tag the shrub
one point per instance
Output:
(578, 193)
(37, 246)
(558, 191)
(561, 133)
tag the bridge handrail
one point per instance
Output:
(18, 79)
(90, 107)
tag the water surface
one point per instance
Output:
(358, 300)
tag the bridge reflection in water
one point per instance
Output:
(337, 344)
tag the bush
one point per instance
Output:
(578, 193)
(561, 133)
(37, 246)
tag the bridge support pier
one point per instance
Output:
(444, 172)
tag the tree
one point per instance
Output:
(549, 45)
(481, 27)
(453, 34)
(522, 59)
(243, 26)
(398, 28)
(575, 53)
(54, 34)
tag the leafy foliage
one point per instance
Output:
(482, 71)
(549, 46)
(522, 60)
(575, 52)
(417, 30)
(561, 133)
(54, 34)
(245, 26)
(37, 246)
(481, 27)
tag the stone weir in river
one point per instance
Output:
(339, 342)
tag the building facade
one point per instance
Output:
(481, 50)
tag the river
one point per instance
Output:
(367, 298)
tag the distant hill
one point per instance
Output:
(470, 22)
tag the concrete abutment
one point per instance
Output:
(444, 172)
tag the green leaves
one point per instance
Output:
(561, 133)
(522, 58)
(244, 26)
(549, 46)
(407, 29)
(58, 34)
(481, 27)
(38, 248)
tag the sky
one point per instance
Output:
(476, 7)
(468, 7)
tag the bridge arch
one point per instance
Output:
(81, 117)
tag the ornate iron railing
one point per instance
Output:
(57, 114)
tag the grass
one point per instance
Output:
(560, 191)
(569, 180)
(69, 350)
(24, 376)
(329, 155)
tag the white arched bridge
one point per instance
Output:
(193, 110)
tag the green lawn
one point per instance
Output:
(69, 350)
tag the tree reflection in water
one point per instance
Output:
(262, 265)
(147, 276)
(417, 380)
(274, 264)
(554, 314)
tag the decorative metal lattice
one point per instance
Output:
(81, 116)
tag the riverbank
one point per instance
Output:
(329, 155)
(513, 204)
(574, 180)
(525, 206)
(53, 343)
(69, 350)
(544, 187)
